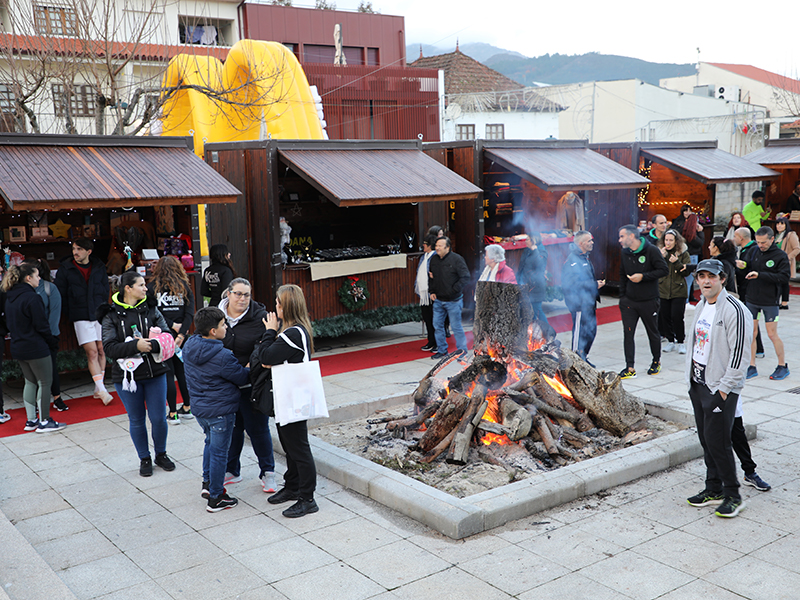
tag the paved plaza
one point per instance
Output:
(78, 521)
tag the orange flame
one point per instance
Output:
(492, 414)
(558, 385)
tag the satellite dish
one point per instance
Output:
(453, 111)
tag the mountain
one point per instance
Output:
(562, 68)
(559, 68)
(477, 50)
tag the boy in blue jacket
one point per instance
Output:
(214, 375)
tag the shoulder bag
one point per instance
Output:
(297, 387)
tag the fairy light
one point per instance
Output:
(645, 166)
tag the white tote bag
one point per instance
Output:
(297, 387)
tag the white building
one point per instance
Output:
(632, 110)
(780, 95)
(73, 40)
(480, 103)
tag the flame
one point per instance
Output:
(558, 385)
(493, 414)
(534, 343)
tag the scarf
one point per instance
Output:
(489, 273)
(422, 280)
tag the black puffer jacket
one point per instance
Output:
(450, 277)
(242, 338)
(772, 267)
(31, 337)
(80, 300)
(118, 319)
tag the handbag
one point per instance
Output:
(297, 387)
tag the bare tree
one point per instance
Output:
(324, 5)
(786, 100)
(365, 7)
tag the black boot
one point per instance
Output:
(301, 508)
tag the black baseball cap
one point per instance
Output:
(710, 265)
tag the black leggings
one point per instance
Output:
(670, 319)
(175, 366)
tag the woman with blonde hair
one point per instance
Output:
(175, 301)
(288, 338)
(31, 343)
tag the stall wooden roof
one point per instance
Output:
(557, 168)
(778, 153)
(44, 172)
(708, 164)
(371, 176)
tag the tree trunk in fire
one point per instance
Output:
(502, 316)
(602, 395)
(447, 418)
(459, 449)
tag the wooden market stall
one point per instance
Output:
(782, 156)
(57, 188)
(357, 210)
(523, 182)
(680, 173)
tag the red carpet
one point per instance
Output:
(83, 409)
(408, 351)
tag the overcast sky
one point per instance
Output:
(728, 32)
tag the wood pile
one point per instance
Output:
(519, 388)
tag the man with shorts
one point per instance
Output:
(83, 283)
(766, 272)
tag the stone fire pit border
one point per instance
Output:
(461, 517)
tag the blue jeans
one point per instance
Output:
(218, 432)
(150, 397)
(256, 424)
(453, 310)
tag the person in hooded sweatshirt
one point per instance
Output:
(132, 338)
(31, 343)
(214, 379)
(641, 266)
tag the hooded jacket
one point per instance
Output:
(31, 337)
(214, 376)
(80, 300)
(579, 281)
(118, 320)
(531, 273)
(729, 350)
(647, 260)
(243, 337)
(772, 267)
(175, 309)
(673, 285)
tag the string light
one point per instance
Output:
(645, 166)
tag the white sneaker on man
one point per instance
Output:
(268, 482)
(681, 348)
(670, 347)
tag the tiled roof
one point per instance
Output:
(792, 125)
(465, 75)
(471, 84)
(768, 77)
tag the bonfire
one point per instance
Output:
(520, 392)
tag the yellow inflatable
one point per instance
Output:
(260, 90)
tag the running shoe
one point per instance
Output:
(627, 373)
(755, 481)
(730, 507)
(780, 372)
(752, 372)
(655, 367)
(706, 498)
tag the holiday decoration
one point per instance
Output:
(354, 293)
(375, 318)
(60, 229)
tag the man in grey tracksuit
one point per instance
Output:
(715, 372)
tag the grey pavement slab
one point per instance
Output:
(76, 511)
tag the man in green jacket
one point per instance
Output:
(754, 211)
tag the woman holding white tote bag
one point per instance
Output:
(288, 339)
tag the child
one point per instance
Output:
(213, 375)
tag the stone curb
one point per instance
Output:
(461, 517)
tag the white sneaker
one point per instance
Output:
(231, 478)
(268, 482)
(681, 348)
(104, 396)
(670, 347)
(4, 417)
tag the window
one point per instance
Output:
(205, 32)
(7, 121)
(465, 132)
(55, 20)
(81, 100)
(316, 53)
(373, 57)
(495, 132)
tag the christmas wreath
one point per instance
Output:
(353, 294)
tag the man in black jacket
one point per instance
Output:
(766, 272)
(83, 283)
(641, 266)
(578, 277)
(448, 276)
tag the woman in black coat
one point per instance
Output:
(245, 317)
(291, 318)
(531, 276)
(142, 384)
(723, 250)
(218, 275)
(31, 343)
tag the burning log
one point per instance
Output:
(443, 445)
(459, 448)
(602, 395)
(447, 417)
(515, 418)
(483, 369)
(502, 316)
(415, 420)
